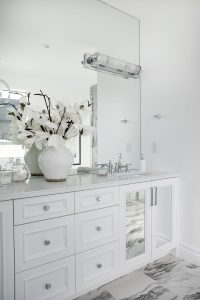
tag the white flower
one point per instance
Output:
(72, 132)
(51, 124)
(38, 125)
(74, 117)
(87, 130)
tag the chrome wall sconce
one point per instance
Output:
(110, 65)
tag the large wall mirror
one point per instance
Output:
(42, 46)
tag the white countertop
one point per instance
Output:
(39, 186)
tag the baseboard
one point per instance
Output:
(189, 253)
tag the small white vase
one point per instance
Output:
(56, 160)
(31, 160)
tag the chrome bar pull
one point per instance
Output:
(156, 196)
(152, 195)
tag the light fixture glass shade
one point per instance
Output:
(111, 65)
(7, 89)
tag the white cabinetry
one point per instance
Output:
(96, 228)
(42, 242)
(164, 216)
(6, 251)
(51, 241)
(69, 243)
(55, 281)
(43, 207)
(96, 198)
(148, 214)
(97, 266)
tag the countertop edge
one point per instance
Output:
(67, 189)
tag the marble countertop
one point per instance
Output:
(39, 186)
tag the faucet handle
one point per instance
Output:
(127, 167)
(101, 165)
(120, 155)
(117, 167)
(110, 167)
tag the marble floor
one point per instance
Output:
(168, 278)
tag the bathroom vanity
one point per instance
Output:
(60, 240)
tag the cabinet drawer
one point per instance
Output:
(96, 228)
(96, 266)
(96, 198)
(55, 281)
(44, 207)
(42, 242)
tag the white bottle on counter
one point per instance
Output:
(142, 164)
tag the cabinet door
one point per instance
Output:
(163, 216)
(136, 224)
(6, 251)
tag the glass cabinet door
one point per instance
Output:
(163, 212)
(163, 215)
(136, 201)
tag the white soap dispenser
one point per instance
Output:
(142, 164)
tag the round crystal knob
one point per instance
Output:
(47, 286)
(47, 242)
(98, 228)
(46, 207)
(99, 266)
(98, 198)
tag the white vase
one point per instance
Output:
(56, 160)
(31, 160)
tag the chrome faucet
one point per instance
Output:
(119, 167)
(108, 165)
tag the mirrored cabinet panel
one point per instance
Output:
(135, 223)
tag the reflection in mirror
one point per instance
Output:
(8, 147)
(135, 224)
(164, 215)
(43, 49)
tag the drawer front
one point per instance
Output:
(96, 198)
(44, 207)
(42, 242)
(55, 281)
(96, 266)
(96, 228)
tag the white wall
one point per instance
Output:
(170, 57)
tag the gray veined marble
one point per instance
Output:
(192, 296)
(135, 224)
(153, 293)
(162, 268)
(168, 278)
(97, 295)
